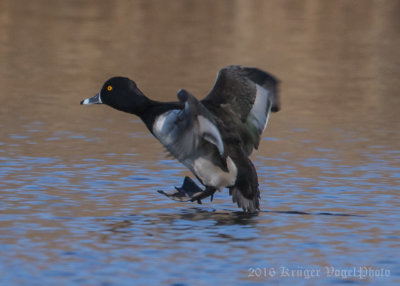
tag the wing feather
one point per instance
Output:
(242, 99)
(182, 131)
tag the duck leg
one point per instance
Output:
(189, 191)
(208, 192)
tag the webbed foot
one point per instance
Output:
(189, 191)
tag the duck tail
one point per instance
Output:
(245, 192)
(249, 205)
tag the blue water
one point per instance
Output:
(99, 220)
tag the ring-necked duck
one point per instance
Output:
(212, 137)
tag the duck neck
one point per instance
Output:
(131, 101)
(154, 109)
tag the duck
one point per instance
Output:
(212, 137)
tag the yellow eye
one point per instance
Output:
(109, 88)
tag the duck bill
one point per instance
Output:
(92, 100)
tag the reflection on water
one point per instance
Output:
(78, 187)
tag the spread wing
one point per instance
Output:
(182, 131)
(241, 101)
